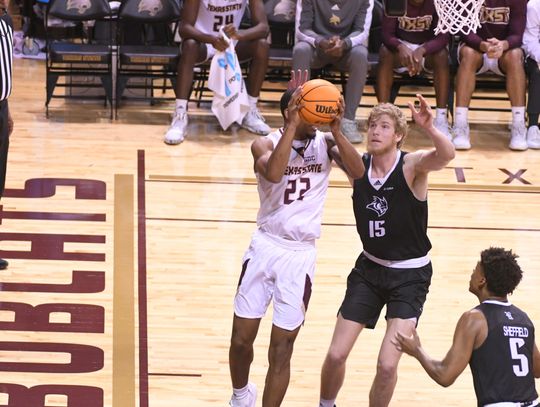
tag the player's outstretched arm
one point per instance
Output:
(446, 371)
(444, 151)
(341, 150)
(271, 162)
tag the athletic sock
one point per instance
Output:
(181, 104)
(440, 114)
(241, 393)
(518, 116)
(326, 403)
(461, 119)
(252, 101)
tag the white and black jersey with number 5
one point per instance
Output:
(502, 367)
(292, 208)
(391, 221)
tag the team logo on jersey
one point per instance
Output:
(379, 205)
(151, 6)
(80, 5)
(415, 24)
(495, 15)
(508, 315)
(334, 20)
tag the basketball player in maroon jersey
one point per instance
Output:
(495, 47)
(411, 46)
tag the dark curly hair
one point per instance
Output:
(501, 270)
(284, 101)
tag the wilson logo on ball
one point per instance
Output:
(325, 109)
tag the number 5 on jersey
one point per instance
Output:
(523, 368)
(376, 228)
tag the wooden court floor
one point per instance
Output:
(125, 254)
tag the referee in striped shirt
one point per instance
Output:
(6, 72)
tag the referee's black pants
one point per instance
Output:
(4, 143)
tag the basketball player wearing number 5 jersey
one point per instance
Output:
(495, 338)
(292, 166)
(199, 28)
(390, 206)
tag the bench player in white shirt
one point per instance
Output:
(292, 166)
(199, 29)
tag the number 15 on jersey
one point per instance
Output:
(376, 228)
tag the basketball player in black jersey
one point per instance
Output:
(496, 339)
(390, 206)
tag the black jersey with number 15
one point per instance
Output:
(391, 222)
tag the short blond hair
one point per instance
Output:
(395, 113)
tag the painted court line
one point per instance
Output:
(142, 293)
(123, 297)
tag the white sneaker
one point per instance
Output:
(178, 128)
(350, 130)
(462, 139)
(442, 125)
(533, 137)
(249, 400)
(255, 123)
(518, 139)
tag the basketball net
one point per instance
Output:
(458, 16)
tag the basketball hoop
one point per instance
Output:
(458, 16)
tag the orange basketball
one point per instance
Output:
(320, 100)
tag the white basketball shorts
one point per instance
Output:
(279, 270)
(488, 64)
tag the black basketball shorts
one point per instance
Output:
(371, 286)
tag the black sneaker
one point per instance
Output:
(3, 264)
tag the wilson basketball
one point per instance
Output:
(320, 99)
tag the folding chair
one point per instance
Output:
(155, 55)
(73, 53)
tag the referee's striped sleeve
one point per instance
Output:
(6, 59)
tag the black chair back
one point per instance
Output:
(150, 11)
(79, 10)
(395, 8)
(375, 31)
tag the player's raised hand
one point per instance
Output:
(408, 344)
(422, 116)
(335, 125)
(298, 78)
(293, 108)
